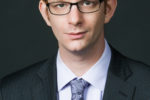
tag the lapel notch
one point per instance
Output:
(117, 86)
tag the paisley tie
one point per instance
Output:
(77, 89)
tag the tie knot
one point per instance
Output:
(78, 85)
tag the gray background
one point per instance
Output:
(25, 38)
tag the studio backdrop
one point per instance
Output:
(25, 38)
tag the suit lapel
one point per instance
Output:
(47, 89)
(117, 86)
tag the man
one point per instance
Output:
(85, 67)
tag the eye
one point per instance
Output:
(59, 5)
(88, 3)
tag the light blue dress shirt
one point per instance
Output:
(96, 76)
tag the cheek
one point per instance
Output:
(58, 28)
(95, 24)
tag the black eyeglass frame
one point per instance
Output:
(71, 4)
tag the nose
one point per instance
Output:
(75, 16)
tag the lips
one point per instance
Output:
(76, 35)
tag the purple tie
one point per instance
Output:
(77, 89)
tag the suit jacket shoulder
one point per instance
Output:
(140, 79)
(31, 83)
(127, 79)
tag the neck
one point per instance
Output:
(80, 62)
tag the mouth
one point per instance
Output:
(76, 35)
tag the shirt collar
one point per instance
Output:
(100, 69)
(64, 74)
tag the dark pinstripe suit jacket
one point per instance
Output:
(126, 80)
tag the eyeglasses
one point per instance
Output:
(63, 8)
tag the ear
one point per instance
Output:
(110, 8)
(44, 12)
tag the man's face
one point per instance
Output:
(77, 31)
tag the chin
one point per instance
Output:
(77, 49)
(76, 46)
